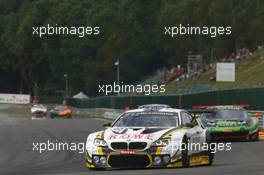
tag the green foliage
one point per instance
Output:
(131, 31)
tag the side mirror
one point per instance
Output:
(195, 116)
(188, 125)
(106, 125)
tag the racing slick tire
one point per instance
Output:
(211, 147)
(184, 153)
(254, 137)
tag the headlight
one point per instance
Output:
(243, 122)
(99, 142)
(162, 142)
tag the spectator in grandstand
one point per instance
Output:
(175, 73)
(180, 74)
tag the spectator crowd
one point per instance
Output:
(179, 73)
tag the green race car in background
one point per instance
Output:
(229, 122)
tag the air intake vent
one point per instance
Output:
(119, 145)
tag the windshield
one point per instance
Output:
(225, 114)
(147, 119)
(207, 116)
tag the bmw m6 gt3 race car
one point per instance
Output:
(229, 122)
(38, 111)
(147, 138)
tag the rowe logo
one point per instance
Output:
(130, 136)
(127, 152)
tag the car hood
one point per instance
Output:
(141, 134)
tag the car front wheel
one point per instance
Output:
(184, 152)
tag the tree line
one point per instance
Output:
(130, 30)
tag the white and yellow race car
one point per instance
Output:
(150, 138)
(38, 111)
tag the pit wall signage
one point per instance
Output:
(15, 98)
(226, 72)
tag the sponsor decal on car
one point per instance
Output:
(127, 152)
(131, 136)
(228, 130)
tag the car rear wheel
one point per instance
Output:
(254, 137)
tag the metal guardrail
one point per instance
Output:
(107, 113)
(113, 113)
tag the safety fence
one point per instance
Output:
(261, 119)
(50, 99)
(253, 96)
(106, 113)
(199, 88)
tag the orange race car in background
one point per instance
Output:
(61, 111)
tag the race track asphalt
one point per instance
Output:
(17, 136)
